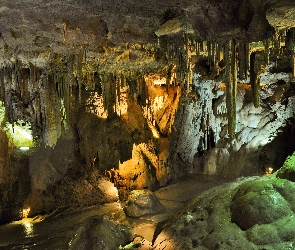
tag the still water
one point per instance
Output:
(55, 231)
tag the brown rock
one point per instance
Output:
(142, 202)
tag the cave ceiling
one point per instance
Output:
(39, 25)
(61, 45)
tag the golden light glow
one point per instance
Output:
(268, 170)
(25, 212)
(108, 188)
(98, 106)
(155, 132)
(2, 112)
(160, 81)
(19, 133)
(29, 228)
(24, 148)
(95, 104)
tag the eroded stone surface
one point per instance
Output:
(100, 233)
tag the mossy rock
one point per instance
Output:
(287, 171)
(262, 202)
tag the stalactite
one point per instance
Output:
(242, 61)
(169, 75)
(118, 87)
(2, 87)
(213, 52)
(30, 81)
(103, 88)
(14, 78)
(266, 50)
(24, 80)
(290, 45)
(218, 53)
(276, 45)
(248, 52)
(123, 80)
(254, 80)
(197, 49)
(109, 93)
(5, 84)
(69, 82)
(79, 65)
(231, 86)
(209, 53)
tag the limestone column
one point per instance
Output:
(231, 85)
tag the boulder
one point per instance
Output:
(142, 202)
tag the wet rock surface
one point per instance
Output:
(100, 233)
(57, 229)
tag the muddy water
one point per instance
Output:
(55, 231)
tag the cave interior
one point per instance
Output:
(147, 125)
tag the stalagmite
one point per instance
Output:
(231, 86)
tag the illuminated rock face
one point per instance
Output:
(201, 126)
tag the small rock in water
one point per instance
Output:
(142, 202)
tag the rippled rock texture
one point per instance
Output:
(250, 213)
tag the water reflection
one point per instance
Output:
(28, 227)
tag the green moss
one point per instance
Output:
(287, 171)
(290, 162)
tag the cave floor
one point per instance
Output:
(56, 230)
